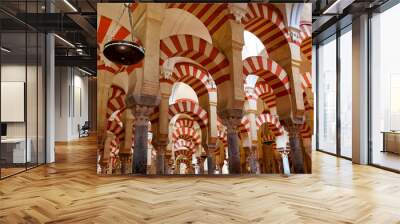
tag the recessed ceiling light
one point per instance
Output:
(70, 5)
(64, 40)
(84, 71)
(5, 50)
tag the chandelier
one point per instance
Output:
(122, 51)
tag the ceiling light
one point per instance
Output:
(5, 50)
(337, 7)
(70, 5)
(84, 71)
(124, 52)
(65, 41)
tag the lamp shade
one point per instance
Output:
(123, 52)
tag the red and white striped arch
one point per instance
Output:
(273, 74)
(306, 39)
(308, 106)
(190, 108)
(114, 153)
(212, 15)
(267, 23)
(184, 122)
(182, 158)
(265, 92)
(244, 126)
(116, 101)
(273, 123)
(114, 124)
(186, 133)
(198, 50)
(184, 153)
(193, 75)
(306, 80)
(182, 143)
(107, 30)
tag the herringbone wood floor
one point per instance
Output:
(71, 192)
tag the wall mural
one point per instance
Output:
(189, 88)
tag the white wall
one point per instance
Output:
(71, 102)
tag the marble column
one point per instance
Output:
(125, 159)
(142, 114)
(253, 160)
(293, 129)
(201, 160)
(161, 148)
(168, 163)
(285, 162)
(142, 107)
(163, 128)
(231, 119)
(107, 150)
(125, 154)
(211, 160)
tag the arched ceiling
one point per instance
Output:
(178, 21)
(181, 90)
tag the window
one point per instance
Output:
(327, 96)
(346, 93)
(385, 89)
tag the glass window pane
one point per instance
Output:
(385, 84)
(327, 96)
(346, 94)
(14, 153)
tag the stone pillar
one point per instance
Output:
(178, 168)
(167, 163)
(107, 150)
(126, 152)
(254, 167)
(160, 166)
(141, 133)
(293, 127)
(211, 160)
(142, 107)
(231, 119)
(201, 160)
(125, 159)
(285, 161)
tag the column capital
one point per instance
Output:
(132, 100)
(238, 10)
(142, 114)
(210, 148)
(231, 118)
(292, 126)
(142, 106)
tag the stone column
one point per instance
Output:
(285, 161)
(253, 160)
(163, 128)
(201, 160)
(126, 152)
(178, 168)
(107, 150)
(161, 163)
(142, 107)
(211, 159)
(293, 127)
(167, 162)
(231, 119)
(142, 114)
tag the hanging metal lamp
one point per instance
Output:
(124, 52)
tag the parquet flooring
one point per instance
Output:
(69, 191)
